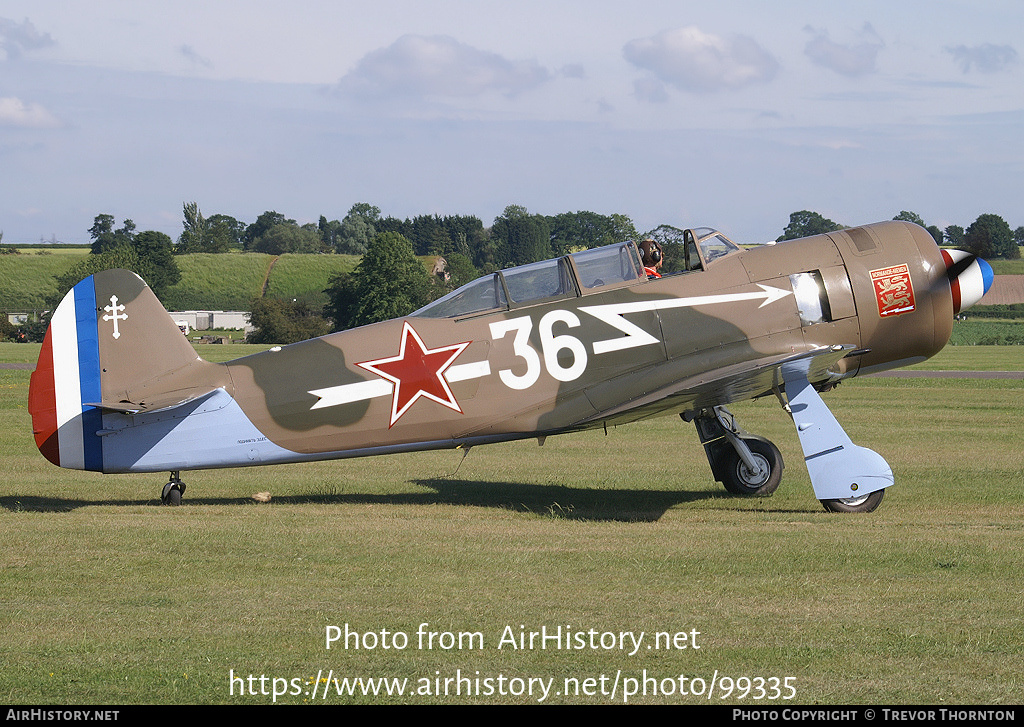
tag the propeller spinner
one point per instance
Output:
(970, 278)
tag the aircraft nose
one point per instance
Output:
(970, 278)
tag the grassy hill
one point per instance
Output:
(211, 282)
(218, 282)
(27, 279)
(305, 277)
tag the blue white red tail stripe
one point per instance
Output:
(68, 375)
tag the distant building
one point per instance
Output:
(437, 265)
(204, 320)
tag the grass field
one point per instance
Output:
(1007, 267)
(109, 598)
(987, 332)
(307, 276)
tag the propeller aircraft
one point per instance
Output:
(584, 341)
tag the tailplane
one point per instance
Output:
(110, 346)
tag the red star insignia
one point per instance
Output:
(417, 371)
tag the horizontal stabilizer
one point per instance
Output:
(171, 401)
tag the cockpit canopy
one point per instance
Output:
(581, 273)
(713, 244)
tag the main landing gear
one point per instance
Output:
(173, 490)
(745, 463)
(845, 477)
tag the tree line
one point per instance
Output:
(390, 281)
(989, 236)
(515, 237)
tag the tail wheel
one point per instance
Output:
(172, 492)
(864, 503)
(740, 479)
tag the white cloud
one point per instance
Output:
(15, 112)
(16, 38)
(416, 65)
(986, 58)
(847, 60)
(693, 60)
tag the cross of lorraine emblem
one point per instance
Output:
(114, 315)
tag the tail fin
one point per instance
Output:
(110, 346)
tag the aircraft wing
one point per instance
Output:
(728, 384)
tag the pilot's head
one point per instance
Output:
(650, 250)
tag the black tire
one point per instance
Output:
(864, 503)
(739, 480)
(172, 494)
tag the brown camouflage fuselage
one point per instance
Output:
(581, 342)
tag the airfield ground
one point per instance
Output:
(110, 598)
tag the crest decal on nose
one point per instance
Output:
(894, 291)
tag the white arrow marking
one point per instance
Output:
(361, 390)
(464, 372)
(347, 393)
(610, 314)
(636, 336)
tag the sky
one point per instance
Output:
(728, 114)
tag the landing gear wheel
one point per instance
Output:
(864, 503)
(739, 479)
(173, 491)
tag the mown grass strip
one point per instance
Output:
(110, 598)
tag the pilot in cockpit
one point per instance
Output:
(650, 251)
